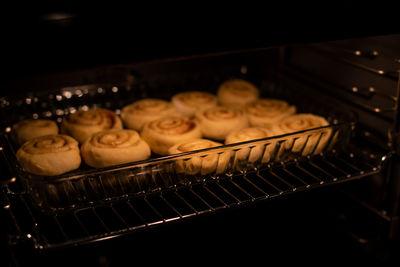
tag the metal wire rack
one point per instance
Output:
(112, 219)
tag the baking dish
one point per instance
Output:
(87, 185)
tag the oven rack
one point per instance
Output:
(112, 219)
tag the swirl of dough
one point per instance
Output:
(188, 103)
(49, 155)
(114, 147)
(252, 152)
(172, 125)
(165, 132)
(83, 124)
(237, 93)
(203, 163)
(136, 115)
(29, 129)
(266, 112)
(218, 122)
(306, 142)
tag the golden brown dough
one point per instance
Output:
(49, 155)
(83, 124)
(136, 115)
(217, 122)
(259, 151)
(188, 103)
(267, 112)
(307, 142)
(201, 163)
(29, 129)
(237, 93)
(163, 133)
(114, 147)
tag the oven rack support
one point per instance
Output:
(378, 65)
(113, 219)
(351, 58)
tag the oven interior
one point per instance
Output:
(332, 207)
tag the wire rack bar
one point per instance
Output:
(256, 187)
(202, 199)
(182, 202)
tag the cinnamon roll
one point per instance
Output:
(163, 133)
(237, 93)
(309, 142)
(188, 103)
(83, 124)
(266, 112)
(252, 152)
(114, 147)
(203, 163)
(29, 129)
(217, 122)
(49, 155)
(136, 115)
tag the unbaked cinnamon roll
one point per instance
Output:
(202, 163)
(49, 155)
(136, 115)
(266, 112)
(29, 129)
(114, 147)
(83, 124)
(252, 152)
(188, 103)
(309, 142)
(217, 122)
(163, 133)
(237, 93)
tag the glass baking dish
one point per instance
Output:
(87, 186)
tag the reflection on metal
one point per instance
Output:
(58, 16)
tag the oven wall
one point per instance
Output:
(363, 75)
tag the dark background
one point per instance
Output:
(96, 34)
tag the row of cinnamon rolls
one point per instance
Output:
(191, 121)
